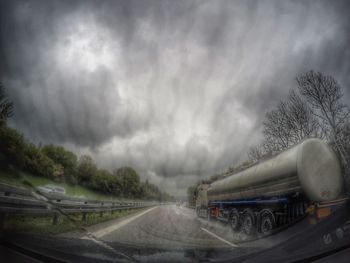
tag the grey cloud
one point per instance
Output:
(177, 89)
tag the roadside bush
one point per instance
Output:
(39, 164)
(66, 159)
(12, 146)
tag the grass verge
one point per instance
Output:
(43, 224)
(17, 178)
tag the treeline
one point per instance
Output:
(61, 165)
(314, 108)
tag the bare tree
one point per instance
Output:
(6, 107)
(289, 123)
(261, 151)
(255, 153)
(275, 129)
(325, 95)
(301, 120)
(341, 144)
(314, 110)
(344, 136)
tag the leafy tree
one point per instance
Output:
(116, 185)
(12, 146)
(66, 159)
(86, 169)
(37, 163)
(130, 181)
(6, 107)
(100, 181)
(149, 191)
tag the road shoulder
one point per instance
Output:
(80, 233)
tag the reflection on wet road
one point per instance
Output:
(167, 227)
(175, 234)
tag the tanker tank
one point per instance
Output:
(310, 167)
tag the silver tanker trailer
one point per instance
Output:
(275, 191)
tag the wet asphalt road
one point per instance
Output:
(175, 234)
(166, 233)
(168, 227)
(178, 228)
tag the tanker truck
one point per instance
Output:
(274, 192)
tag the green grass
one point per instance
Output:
(18, 178)
(43, 224)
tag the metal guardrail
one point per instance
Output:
(22, 201)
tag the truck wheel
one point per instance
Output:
(235, 220)
(248, 222)
(267, 221)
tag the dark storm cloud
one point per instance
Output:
(178, 89)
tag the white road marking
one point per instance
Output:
(107, 247)
(217, 237)
(107, 230)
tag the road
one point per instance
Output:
(175, 234)
(179, 229)
(165, 227)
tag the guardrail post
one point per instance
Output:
(55, 218)
(101, 212)
(2, 220)
(84, 217)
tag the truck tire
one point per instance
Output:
(248, 222)
(235, 220)
(267, 221)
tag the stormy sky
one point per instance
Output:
(176, 89)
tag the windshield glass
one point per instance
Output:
(174, 131)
